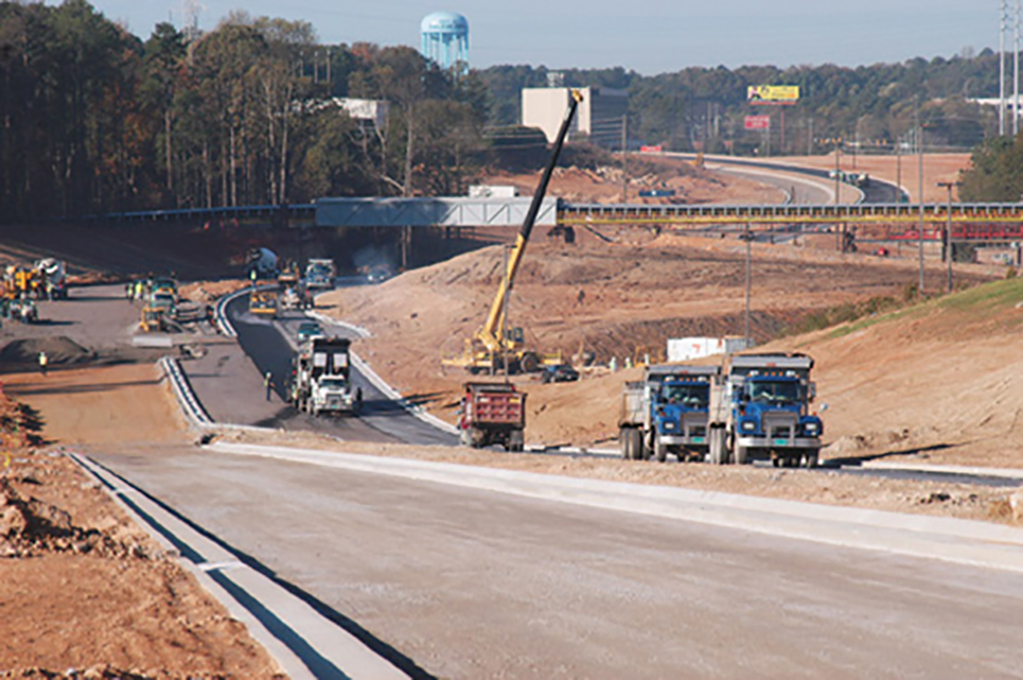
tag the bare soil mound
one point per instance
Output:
(59, 350)
(608, 299)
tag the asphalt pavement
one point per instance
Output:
(234, 373)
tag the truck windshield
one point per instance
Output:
(333, 383)
(775, 391)
(691, 395)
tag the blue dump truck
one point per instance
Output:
(667, 413)
(760, 408)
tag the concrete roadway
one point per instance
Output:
(469, 584)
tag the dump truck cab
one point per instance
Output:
(680, 414)
(761, 409)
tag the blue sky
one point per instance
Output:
(653, 36)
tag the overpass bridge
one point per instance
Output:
(883, 221)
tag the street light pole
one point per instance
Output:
(948, 229)
(898, 170)
(749, 280)
(838, 174)
(920, 199)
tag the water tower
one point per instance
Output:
(446, 39)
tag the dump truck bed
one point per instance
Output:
(496, 404)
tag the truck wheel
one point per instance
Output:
(643, 451)
(660, 450)
(477, 438)
(625, 439)
(515, 442)
(812, 458)
(529, 363)
(716, 446)
(635, 436)
(741, 455)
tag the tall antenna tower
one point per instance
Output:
(191, 10)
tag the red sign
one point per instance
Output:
(651, 149)
(758, 122)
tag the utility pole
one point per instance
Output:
(920, 197)
(1001, 67)
(838, 174)
(625, 174)
(749, 281)
(1015, 73)
(898, 169)
(948, 229)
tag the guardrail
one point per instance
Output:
(220, 312)
(194, 411)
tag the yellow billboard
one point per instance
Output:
(772, 94)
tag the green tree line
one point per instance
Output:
(874, 107)
(96, 120)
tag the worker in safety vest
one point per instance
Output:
(43, 362)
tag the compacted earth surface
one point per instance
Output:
(87, 593)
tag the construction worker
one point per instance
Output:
(43, 362)
(268, 382)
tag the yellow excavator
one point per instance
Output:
(489, 348)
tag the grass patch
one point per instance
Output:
(981, 300)
(986, 297)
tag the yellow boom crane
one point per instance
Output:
(488, 347)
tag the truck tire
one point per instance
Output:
(717, 450)
(477, 438)
(812, 458)
(626, 442)
(741, 455)
(515, 441)
(660, 450)
(643, 451)
(529, 363)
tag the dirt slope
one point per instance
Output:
(942, 378)
(635, 295)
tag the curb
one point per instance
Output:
(305, 644)
(968, 470)
(959, 541)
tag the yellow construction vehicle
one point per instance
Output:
(263, 301)
(22, 282)
(490, 348)
(153, 320)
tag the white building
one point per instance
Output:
(601, 113)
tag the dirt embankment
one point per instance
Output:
(620, 300)
(85, 587)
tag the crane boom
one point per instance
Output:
(488, 334)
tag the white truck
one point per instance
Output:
(320, 274)
(54, 278)
(321, 382)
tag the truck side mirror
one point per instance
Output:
(813, 391)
